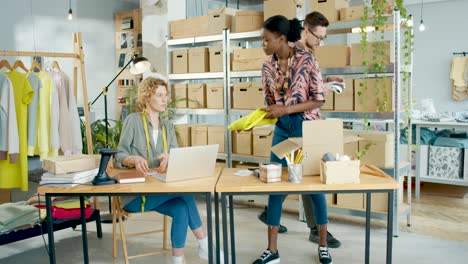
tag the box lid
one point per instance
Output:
(223, 10)
(286, 146)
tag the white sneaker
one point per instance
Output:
(178, 260)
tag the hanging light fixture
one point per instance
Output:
(422, 27)
(70, 12)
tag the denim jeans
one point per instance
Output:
(286, 127)
(182, 209)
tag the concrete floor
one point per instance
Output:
(251, 241)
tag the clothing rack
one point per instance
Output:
(78, 57)
(464, 53)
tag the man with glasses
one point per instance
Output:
(312, 37)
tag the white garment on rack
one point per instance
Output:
(9, 140)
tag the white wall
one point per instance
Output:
(446, 32)
(46, 20)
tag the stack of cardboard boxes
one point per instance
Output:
(200, 135)
(256, 142)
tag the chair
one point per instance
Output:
(117, 212)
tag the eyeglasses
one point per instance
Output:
(320, 39)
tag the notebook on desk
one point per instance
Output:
(189, 163)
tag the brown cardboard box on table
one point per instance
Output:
(345, 100)
(69, 164)
(358, 59)
(216, 136)
(180, 61)
(329, 101)
(351, 13)
(248, 59)
(248, 95)
(216, 59)
(196, 95)
(183, 135)
(332, 56)
(198, 60)
(329, 8)
(215, 95)
(245, 21)
(262, 138)
(285, 8)
(219, 19)
(369, 101)
(339, 172)
(190, 27)
(179, 94)
(199, 134)
(242, 142)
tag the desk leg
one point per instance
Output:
(390, 227)
(231, 223)
(84, 235)
(50, 229)
(225, 229)
(209, 227)
(368, 221)
(216, 204)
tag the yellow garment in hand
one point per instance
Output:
(256, 118)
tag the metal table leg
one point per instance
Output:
(225, 228)
(84, 235)
(50, 229)
(417, 189)
(216, 204)
(390, 226)
(231, 223)
(209, 227)
(368, 220)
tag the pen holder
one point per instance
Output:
(295, 173)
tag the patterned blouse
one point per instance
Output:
(304, 82)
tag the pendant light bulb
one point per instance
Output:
(422, 27)
(70, 14)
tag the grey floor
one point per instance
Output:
(251, 241)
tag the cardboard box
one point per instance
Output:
(180, 95)
(242, 142)
(351, 13)
(69, 164)
(248, 59)
(358, 59)
(345, 100)
(196, 95)
(339, 172)
(245, 21)
(198, 60)
(219, 19)
(248, 95)
(379, 201)
(319, 137)
(183, 133)
(350, 200)
(285, 8)
(190, 27)
(5, 196)
(332, 56)
(216, 59)
(262, 138)
(215, 95)
(329, 8)
(216, 136)
(270, 172)
(179, 61)
(329, 101)
(199, 135)
(380, 152)
(446, 162)
(377, 97)
(330, 198)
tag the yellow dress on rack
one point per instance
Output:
(16, 175)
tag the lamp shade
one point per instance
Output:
(140, 65)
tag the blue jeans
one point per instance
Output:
(182, 209)
(286, 127)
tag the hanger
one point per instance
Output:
(35, 65)
(55, 65)
(6, 64)
(20, 64)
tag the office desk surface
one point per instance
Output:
(151, 185)
(228, 182)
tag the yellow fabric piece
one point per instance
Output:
(70, 204)
(43, 116)
(16, 175)
(256, 118)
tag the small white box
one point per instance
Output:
(270, 172)
(338, 172)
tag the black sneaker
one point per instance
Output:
(324, 255)
(331, 241)
(263, 217)
(268, 257)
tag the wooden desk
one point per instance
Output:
(229, 185)
(201, 186)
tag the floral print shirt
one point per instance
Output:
(304, 82)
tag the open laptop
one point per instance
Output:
(189, 163)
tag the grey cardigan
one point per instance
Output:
(133, 142)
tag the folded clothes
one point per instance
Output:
(62, 213)
(256, 118)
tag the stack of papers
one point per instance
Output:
(68, 179)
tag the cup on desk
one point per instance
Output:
(295, 173)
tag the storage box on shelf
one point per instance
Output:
(351, 13)
(329, 8)
(286, 8)
(242, 142)
(215, 95)
(373, 95)
(329, 101)
(446, 162)
(219, 19)
(248, 59)
(183, 133)
(262, 138)
(216, 59)
(371, 57)
(197, 95)
(332, 56)
(180, 61)
(246, 21)
(379, 144)
(190, 27)
(345, 100)
(216, 136)
(198, 60)
(199, 134)
(180, 95)
(247, 95)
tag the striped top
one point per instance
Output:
(304, 82)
